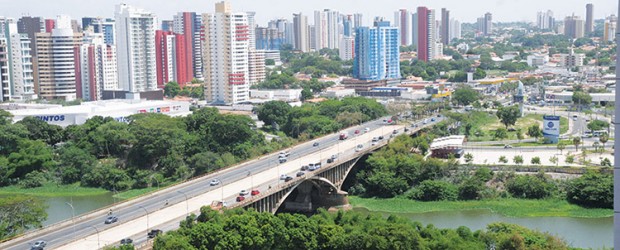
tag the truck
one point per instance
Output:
(344, 136)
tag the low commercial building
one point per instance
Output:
(444, 147)
(338, 92)
(566, 97)
(117, 109)
(286, 95)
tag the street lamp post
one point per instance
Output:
(72, 216)
(98, 241)
(147, 218)
(186, 202)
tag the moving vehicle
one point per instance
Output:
(240, 198)
(343, 136)
(255, 192)
(299, 174)
(214, 182)
(433, 119)
(395, 131)
(316, 144)
(153, 233)
(380, 137)
(288, 178)
(359, 147)
(244, 192)
(111, 219)
(39, 244)
(126, 241)
(282, 160)
(357, 132)
(284, 154)
(507, 146)
(375, 139)
(304, 168)
(367, 130)
(425, 121)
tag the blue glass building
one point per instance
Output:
(377, 52)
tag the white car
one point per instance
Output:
(244, 192)
(367, 130)
(283, 177)
(359, 147)
(214, 182)
(39, 244)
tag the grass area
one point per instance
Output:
(53, 190)
(488, 123)
(134, 193)
(508, 207)
(496, 72)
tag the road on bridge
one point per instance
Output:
(165, 208)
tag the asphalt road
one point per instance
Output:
(93, 223)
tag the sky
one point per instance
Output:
(462, 10)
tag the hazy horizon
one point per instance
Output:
(464, 11)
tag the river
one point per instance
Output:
(59, 210)
(579, 232)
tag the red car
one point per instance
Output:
(240, 198)
(255, 192)
(357, 132)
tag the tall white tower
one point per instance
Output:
(135, 38)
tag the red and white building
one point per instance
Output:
(172, 59)
(226, 55)
(96, 68)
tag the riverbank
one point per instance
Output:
(508, 207)
(53, 190)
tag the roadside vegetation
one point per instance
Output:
(399, 171)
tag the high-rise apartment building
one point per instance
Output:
(135, 43)
(589, 28)
(485, 24)
(327, 25)
(347, 48)
(56, 61)
(609, 28)
(286, 28)
(426, 34)
(96, 67)
(50, 24)
(545, 20)
(347, 25)
(402, 20)
(300, 29)
(167, 25)
(226, 55)
(171, 57)
(573, 27)
(104, 26)
(377, 52)
(189, 24)
(256, 66)
(18, 78)
(4, 71)
(268, 38)
(357, 20)
(445, 26)
(455, 29)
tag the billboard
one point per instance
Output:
(551, 128)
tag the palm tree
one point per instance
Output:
(576, 142)
(603, 139)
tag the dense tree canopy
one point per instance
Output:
(508, 115)
(591, 190)
(465, 95)
(20, 213)
(240, 229)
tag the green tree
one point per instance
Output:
(534, 131)
(74, 162)
(603, 139)
(270, 62)
(465, 95)
(508, 115)
(561, 146)
(570, 159)
(469, 158)
(576, 142)
(432, 190)
(172, 89)
(530, 186)
(471, 189)
(519, 134)
(581, 98)
(31, 156)
(500, 134)
(274, 113)
(517, 159)
(597, 125)
(156, 135)
(306, 94)
(479, 74)
(19, 213)
(40, 130)
(535, 160)
(591, 190)
(503, 159)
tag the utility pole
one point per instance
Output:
(616, 144)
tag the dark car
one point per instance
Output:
(153, 233)
(300, 173)
(304, 168)
(111, 219)
(240, 198)
(288, 178)
(330, 160)
(316, 144)
(381, 137)
(126, 241)
(39, 245)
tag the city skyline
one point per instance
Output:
(503, 10)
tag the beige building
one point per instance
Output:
(55, 60)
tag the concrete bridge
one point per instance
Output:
(165, 208)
